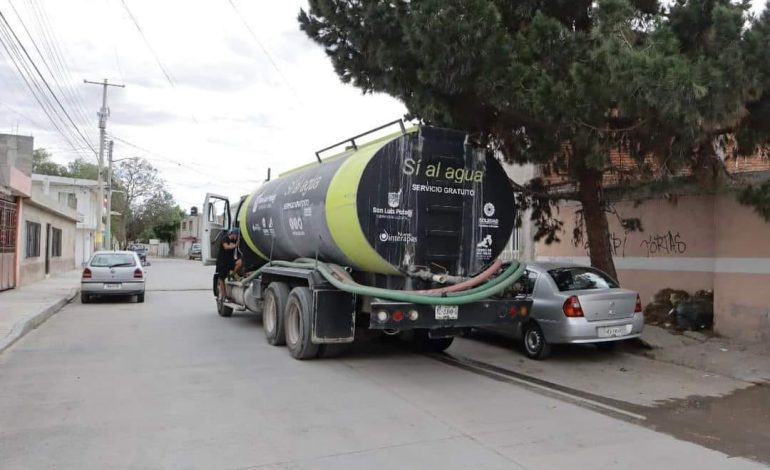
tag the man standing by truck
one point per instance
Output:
(226, 260)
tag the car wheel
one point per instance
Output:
(85, 298)
(298, 324)
(606, 346)
(534, 342)
(273, 308)
(422, 342)
(140, 298)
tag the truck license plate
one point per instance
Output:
(447, 312)
(613, 331)
(113, 285)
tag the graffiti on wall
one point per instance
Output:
(661, 244)
(668, 243)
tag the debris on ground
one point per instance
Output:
(678, 311)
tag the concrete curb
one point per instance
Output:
(30, 322)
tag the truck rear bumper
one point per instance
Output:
(406, 316)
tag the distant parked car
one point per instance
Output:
(141, 251)
(573, 304)
(195, 251)
(112, 273)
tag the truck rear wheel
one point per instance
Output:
(222, 309)
(274, 306)
(298, 324)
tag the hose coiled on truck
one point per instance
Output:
(486, 290)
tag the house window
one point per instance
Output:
(55, 242)
(33, 239)
(184, 225)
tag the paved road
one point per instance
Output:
(169, 384)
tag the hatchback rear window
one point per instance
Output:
(579, 278)
(111, 260)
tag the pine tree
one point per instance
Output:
(561, 83)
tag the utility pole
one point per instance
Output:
(103, 114)
(108, 222)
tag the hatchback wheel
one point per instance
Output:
(534, 342)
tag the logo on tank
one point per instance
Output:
(394, 199)
(401, 237)
(393, 211)
(487, 221)
(484, 247)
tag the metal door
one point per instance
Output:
(47, 249)
(8, 244)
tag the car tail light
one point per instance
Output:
(572, 307)
(638, 308)
(138, 274)
(86, 273)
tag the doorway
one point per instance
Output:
(47, 249)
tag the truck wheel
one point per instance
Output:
(140, 298)
(534, 342)
(276, 297)
(424, 343)
(222, 309)
(298, 324)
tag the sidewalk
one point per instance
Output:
(749, 362)
(24, 308)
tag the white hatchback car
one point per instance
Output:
(573, 304)
(112, 273)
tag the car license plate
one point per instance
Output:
(447, 312)
(113, 285)
(613, 331)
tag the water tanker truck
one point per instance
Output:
(400, 234)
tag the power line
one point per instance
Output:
(149, 46)
(51, 43)
(207, 174)
(18, 62)
(264, 49)
(45, 82)
(66, 92)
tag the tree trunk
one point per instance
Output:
(597, 229)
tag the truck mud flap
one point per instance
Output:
(334, 317)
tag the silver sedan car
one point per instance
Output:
(573, 304)
(112, 273)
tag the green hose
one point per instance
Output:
(484, 291)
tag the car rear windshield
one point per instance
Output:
(567, 279)
(108, 260)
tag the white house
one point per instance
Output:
(82, 196)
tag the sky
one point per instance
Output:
(209, 104)
(215, 94)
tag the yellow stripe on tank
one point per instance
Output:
(244, 226)
(342, 211)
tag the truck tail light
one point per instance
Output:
(638, 308)
(86, 273)
(572, 307)
(138, 274)
(382, 316)
(398, 315)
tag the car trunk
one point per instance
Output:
(113, 275)
(606, 304)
